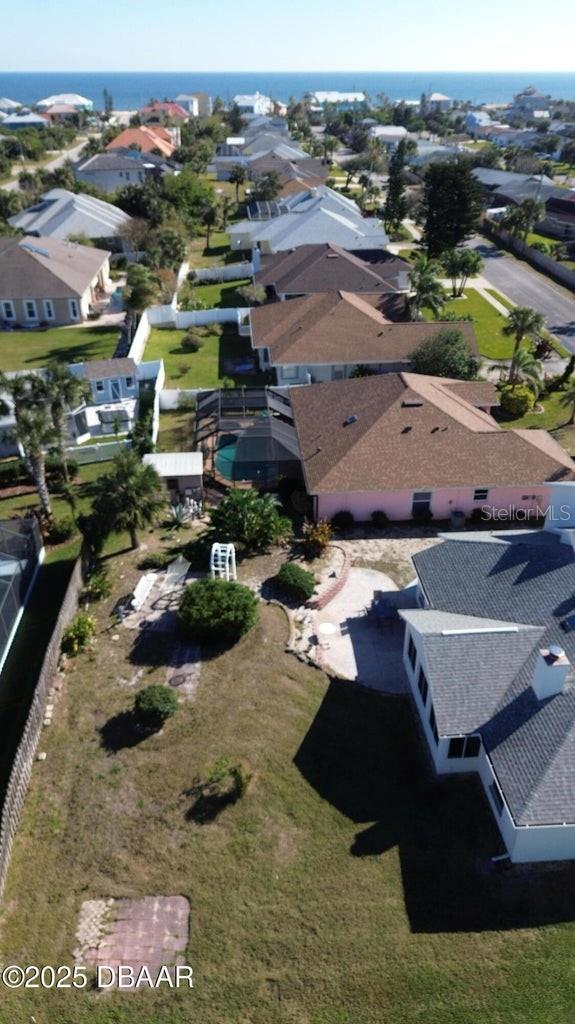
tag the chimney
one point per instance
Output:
(550, 672)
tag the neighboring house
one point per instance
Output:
(238, 151)
(272, 142)
(180, 471)
(149, 138)
(15, 122)
(21, 554)
(9, 106)
(412, 445)
(161, 113)
(490, 659)
(329, 268)
(430, 152)
(306, 173)
(339, 100)
(61, 213)
(504, 135)
(253, 105)
(198, 104)
(69, 99)
(503, 188)
(257, 125)
(389, 134)
(439, 103)
(493, 181)
(117, 386)
(45, 280)
(62, 113)
(117, 168)
(326, 336)
(531, 104)
(477, 122)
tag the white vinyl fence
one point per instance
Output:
(229, 272)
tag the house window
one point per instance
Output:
(411, 652)
(30, 309)
(49, 310)
(496, 797)
(74, 309)
(129, 382)
(480, 494)
(433, 724)
(422, 686)
(421, 503)
(99, 386)
(172, 483)
(289, 372)
(464, 746)
(8, 310)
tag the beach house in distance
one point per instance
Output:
(490, 657)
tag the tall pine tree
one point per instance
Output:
(450, 207)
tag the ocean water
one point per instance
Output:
(131, 90)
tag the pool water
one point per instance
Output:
(225, 460)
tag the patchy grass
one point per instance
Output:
(347, 882)
(200, 256)
(176, 430)
(25, 350)
(487, 322)
(203, 369)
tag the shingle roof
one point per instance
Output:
(411, 432)
(47, 268)
(100, 369)
(326, 267)
(339, 327)
(528, 576)
(61, 213)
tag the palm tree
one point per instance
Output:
(226, 211)
(521, 322)
(532, 211)
(329, 144)
(451, 262)
(63, 392)
(426, 290)
(568, 400)
(35, 433)
(525, 367)
(471, 266)
(210, 220)
(128, 498)
(238, 176)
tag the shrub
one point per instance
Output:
(78, 634)
(343, 520)
(379, 519)
(423, 515)
(316, 537)
(55, 470)
(218, 610)
(253, 294)
(61, 529)
(249, 518)
(156, 560)
(154, 705)
(516, 401)
(541, 246)
(295, 582)
(12, 473)
(100, 585)
(192, 342)
(445, 354)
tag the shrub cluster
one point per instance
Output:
(216, 610)
(517, 400)
(343, 520)
(78, 634)
(295, 582)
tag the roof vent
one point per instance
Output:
(349, 421)
(412, 403)
(331, 256)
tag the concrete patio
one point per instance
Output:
(365, 653)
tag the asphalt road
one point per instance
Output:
(58, 161)
(524, 286)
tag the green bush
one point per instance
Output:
(516, 401)
(343, 520)
(156, 560)
(295, 582)
(192, 342)
(78, 634)
(154, 705)
(316, 537)
(12, 473)
(100, 585)
(379, 519)
(217, 610)
(62, 529)
(250, 519)
(55, 470)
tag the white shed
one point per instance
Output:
(181, 472)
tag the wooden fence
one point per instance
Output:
(24, 759)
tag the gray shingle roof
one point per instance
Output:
(528, 577)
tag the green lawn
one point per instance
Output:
(203, 369)
(554, 416)
(221, 295)
(25, 350)
(487, 322)
(559, 348)
(348, 885)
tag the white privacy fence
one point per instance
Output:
(229, 272)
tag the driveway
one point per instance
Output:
(525, 287)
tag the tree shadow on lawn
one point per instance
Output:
(364, 753)
(78, 351)
(123, 731)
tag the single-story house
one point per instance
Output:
(118, 168)
(61, 213)
(62, 113)
(490, 658)
(181, 472)
(15, 122)
(414, 446)
(326, 336)
(9, 106)
(389, 134)
(253, 105)
(45, 280)
(431, 152)
(315, 268)
(148, 137)
(70, 99)
(477, 122)
(503, 188)
(21, 555)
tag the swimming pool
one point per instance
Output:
(240, 458)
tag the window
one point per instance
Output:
(456, 746)
(433, 724)
(289, 372)
(496, 797)
(99, 386)
(422, 686)
(8, 310)
(129, 382)
(480, 494)
(421, 503)
(172, 483)
(472, 746)
(74, 309)
(411, 652)
(49, 310)
(30, 309)
(464, 746)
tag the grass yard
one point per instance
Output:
(487, 322)
(559, 348)
(348, 884)
(176, 432)
(221, 294)
(553, 417)
(25, 350)
(200, 256)
(203, 369)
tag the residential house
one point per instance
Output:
(8, 106)
(412, 446)
(293, 177)
(49, 281)
(531, 104)
(438, 103)
(477, 123)
(181, 472)
(503, 188)
(62, 214)
(341, 101)
(117, 387)
(326, 336)
(21, 555)
(70, 99)
(238, 151)
(163, 113)
(117, 168)
(253, 105)
(431, 152)
(490, 659)
(23, 121)
(148, 138)
(312, 269)
(271, 123)
(198, 104)
(62, 113)
(389, 134)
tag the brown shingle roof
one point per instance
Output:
(102, 369)
(339, 327)
(329, 268)
(47, 268)
(412, 432)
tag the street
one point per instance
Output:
(58, 161)
(525, 287)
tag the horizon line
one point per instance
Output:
(310, 71)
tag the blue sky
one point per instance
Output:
(299, 35)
